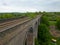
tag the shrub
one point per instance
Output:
(58, 23)
(44, 20)
(43, 35)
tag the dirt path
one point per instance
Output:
(54, 32)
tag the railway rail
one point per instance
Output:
(6, 25)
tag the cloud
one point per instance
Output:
(16, 9)
(29, 5)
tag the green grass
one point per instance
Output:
(52, 22)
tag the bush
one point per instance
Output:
(36, 42)
(43, 35)
(44, 20)
(58, 23)
(58, 41)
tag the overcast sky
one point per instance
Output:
(29, 5)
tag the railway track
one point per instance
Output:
(7, 34)
(6, 25)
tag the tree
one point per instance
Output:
(43, 35)
(45, 20)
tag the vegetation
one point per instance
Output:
(58, 23)
(44, 20)
(12, 16)
(48, 19)
(31, 15)
(4, 16)
(43, 35)
(58, 41)
(36, 42)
